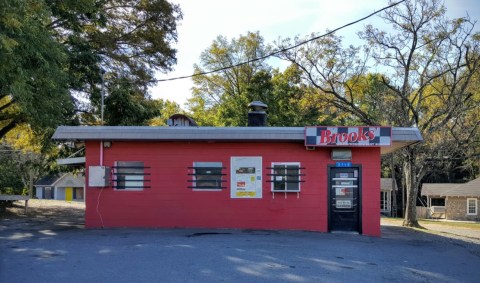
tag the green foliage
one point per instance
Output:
(167, 109)
(219, 96)
(429, 65)
(33, 83)
(123, 38)
(52, 54)
(126, 105)
(221, 99)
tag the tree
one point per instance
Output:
(33, 83)
(121, 38)
(429, 62)
(221, 93)
(53, 54)
(127, 105)
(221, 98)
(167, 109)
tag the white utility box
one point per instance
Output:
(98, 176)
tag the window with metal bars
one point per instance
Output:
(285, 176)
(206, 176)
(130, 176)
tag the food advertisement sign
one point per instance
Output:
(246, 177)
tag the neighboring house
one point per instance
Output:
(453, 201)
(61, 187)
(462, 201)
(386, 189)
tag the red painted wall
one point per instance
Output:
(169, 203)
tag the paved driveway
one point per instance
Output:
(64, 252)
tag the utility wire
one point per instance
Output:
(281, 50)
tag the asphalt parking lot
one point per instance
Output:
(33, 251)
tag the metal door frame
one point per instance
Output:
(329, 178)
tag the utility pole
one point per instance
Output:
(30, 190)
(102, 94)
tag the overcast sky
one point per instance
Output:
(204, 20)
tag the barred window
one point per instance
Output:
(207, 176)
(130, 175)
(286, 177)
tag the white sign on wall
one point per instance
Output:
(246, 177)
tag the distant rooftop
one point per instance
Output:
(470, 189)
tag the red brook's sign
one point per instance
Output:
(348, 136)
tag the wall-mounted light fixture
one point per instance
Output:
(107, 144)
(341, 154)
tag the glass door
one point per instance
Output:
(344, 199)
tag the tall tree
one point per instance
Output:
(122, 38)
(127, 105)
(221, 92)
(33, 82)
(55, 50)
(221, 98)
(429, 62)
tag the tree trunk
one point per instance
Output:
(412, 189)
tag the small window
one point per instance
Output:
(285, 177)
(206, 176)
(472, 208)
(130, 175)
(384, 201)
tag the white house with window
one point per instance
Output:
(387, 186)
(66, 186)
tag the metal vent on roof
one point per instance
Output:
(180, 120)
(257, 116)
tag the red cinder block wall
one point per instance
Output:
(169, 203)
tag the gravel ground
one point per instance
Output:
(44, 214)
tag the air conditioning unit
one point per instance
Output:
(98, 176)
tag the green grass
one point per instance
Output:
(468, 225)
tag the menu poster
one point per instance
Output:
(246, 177)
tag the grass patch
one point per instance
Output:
(467, 225)
(443, 223)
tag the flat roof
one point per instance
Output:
(401, 137)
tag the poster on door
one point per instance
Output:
(246, 177)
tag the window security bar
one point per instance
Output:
(130, 167)
(292, 175)
(132, 173)
(285, 181)
(288, 167)
(206, 168)
(205, 187)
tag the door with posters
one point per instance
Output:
(344, 199)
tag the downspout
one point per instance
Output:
(101, 152)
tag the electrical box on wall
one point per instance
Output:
(98, 176)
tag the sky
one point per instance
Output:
(204, 20)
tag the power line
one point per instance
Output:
(281, 50)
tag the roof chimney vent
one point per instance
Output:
(257, 117)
